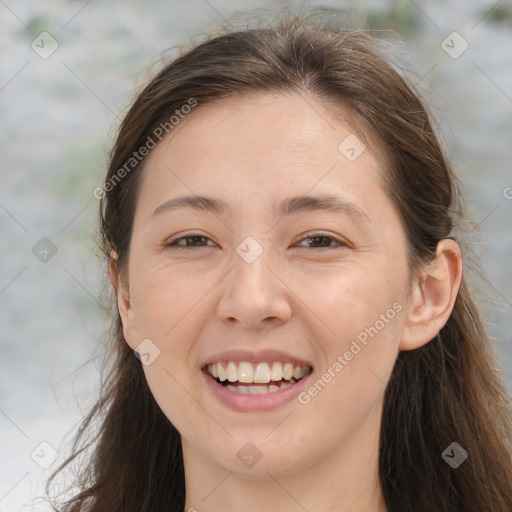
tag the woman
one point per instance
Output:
(278, 220)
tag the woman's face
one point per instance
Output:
(294, 265)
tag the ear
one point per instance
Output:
(431, 301)
(123, 301)
(112, 270)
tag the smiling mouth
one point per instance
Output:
(254, 379)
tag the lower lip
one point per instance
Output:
(260, 402)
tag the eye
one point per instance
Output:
(321, 241)
(192, 240)
(318, 241)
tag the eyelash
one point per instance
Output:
(310, 236)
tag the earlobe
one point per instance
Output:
(431, 301)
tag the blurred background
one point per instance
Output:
(68, 71)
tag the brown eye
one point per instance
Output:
(319, 241)
(183, 242)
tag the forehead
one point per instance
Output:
(261, 148)
(297, 123)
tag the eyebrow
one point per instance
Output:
(289, 206)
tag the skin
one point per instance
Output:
(296, 296)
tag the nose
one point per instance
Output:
(254, 296)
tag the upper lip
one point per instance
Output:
(268, 355)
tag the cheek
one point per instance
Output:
(171, 391)
(364, 315)
(171, 307)
(348, 299)
(164, 297)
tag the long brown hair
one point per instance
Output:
(447, 391)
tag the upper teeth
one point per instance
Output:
(260, 372)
